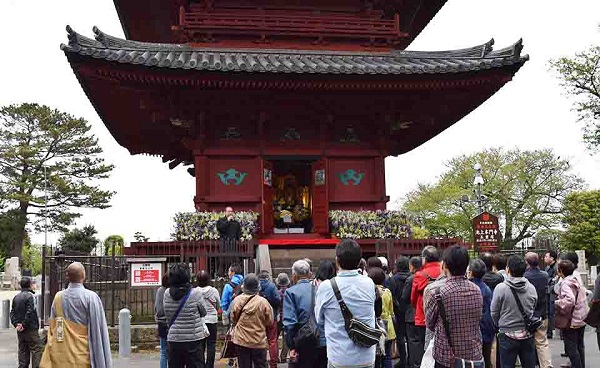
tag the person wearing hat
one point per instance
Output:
(282, 282)
(252, 316)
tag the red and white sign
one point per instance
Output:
(146, 274)
(487, 232)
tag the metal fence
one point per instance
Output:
(109, 276)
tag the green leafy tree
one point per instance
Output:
(525, 190)
(582, 220)
(115, 241)
(31, 258)
(580, 75)
(139, 237)
(554, 236)
(81, 240)
(35, 140)
(10, 231)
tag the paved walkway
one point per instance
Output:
(8, 353)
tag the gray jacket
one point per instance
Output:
(504, 309)
(211, 302)
(159, 307)
(189, 325)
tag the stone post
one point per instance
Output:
(5, 315)
(124, 333)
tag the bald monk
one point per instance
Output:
(78, 335)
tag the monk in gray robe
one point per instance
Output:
(78, 334)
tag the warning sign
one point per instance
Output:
(146, 274)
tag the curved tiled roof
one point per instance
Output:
(175, 56)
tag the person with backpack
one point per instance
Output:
(268, 290)
(184, 310)
(252, 316)
(211, 302)
(231, 289)
(298, 311)
(429, 272)
(282, 282)
(412, 337)
(396, 283)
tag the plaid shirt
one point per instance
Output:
(464, 306)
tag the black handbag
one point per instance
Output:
(359, 332)
(593, 317)
(307, 336)
(531, 324)
(456, 362)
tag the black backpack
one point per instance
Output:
(307, 337)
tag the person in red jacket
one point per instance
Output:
(429, 272)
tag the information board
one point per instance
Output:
(146, 274)
(487, 232)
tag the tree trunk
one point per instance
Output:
(17, 246)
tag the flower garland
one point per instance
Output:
(203, 225)
(370, 224)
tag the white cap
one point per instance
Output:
(384, 261)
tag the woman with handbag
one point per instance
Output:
(211, 301)
(571, 311)
(184, 311)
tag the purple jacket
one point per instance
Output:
(571, 294)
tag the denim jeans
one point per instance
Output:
(387, 362)
(509, 349)
(574, 346)
(164, 362)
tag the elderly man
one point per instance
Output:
(539, 279)
(25, 319)
(78, 335)
(358, 293)
(296, 312)
(230, 230)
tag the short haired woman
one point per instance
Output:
(211, 301)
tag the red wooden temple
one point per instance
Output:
(279, 105)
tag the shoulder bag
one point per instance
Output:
(456, 362)
(562, 318)
(229, 348)
(359, 332)
(307, 336)
(185, 298)
(531, 324)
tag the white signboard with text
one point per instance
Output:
(146, 274)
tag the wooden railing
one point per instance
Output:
(289, 22)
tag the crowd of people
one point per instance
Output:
(440, 310)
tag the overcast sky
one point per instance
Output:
(530, 112)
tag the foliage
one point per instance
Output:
(582, 219)
(80, 240)
(370, 224)
(580, 76)
(525, 190)
(37, 142)
(10, 231)
(554, 236)
(31, 258)
(203, 225)
(115, 241)
(139, 237)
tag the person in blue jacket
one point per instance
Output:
(231, 290)
(488, 331)
(268, 290)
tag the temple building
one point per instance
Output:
(287, 108)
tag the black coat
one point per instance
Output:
(539, 279)
(397, 283)
(23, 311)
(409, 315)
(229, 230)
(492, 279)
